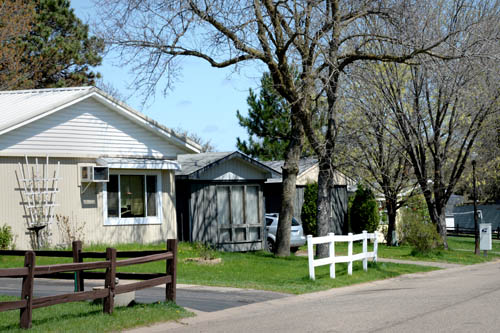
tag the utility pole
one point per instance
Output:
(476, 223)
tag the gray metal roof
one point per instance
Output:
(304, 164)
(17, 106)
(198, 163)
(20, 107)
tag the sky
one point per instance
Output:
(203, 101)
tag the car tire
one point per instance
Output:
(294, 249)
(270, 245)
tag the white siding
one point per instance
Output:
(87, 128)
(233, 169)
(85, 210)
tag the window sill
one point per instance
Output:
(131, 221)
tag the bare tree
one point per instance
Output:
(375, 155)
(318, 39)
(439, 108)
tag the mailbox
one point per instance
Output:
(485, 236)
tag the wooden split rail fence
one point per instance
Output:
(332, 259)
(79, 268)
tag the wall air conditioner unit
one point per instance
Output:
(94, 174)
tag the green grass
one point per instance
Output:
(88, 317)
(467, 243)
(255, 270)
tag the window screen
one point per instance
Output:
(237, 205)
(113, 196)
(252, 205)
(151, 195)
(223, 205)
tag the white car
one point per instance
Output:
(297, 237)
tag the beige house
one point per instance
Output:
(110, 169)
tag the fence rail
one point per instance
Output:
(469, 232)
(350, 258)
(30, 271)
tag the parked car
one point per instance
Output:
(297, 237)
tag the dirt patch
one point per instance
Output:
(204, 261)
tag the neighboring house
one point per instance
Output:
(453, 201)
(308, 173)
(464, 215)
(81, 128)
(220, 200)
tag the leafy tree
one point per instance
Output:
(364, 213)
(319, 39)
(309, 209)
(58, 43)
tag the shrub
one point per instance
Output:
(205, 250)
(416, 228)
(309, 209)
(70, 230)
(6, 237)
(363, 212)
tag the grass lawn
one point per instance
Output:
(256, 270)
(88, 317)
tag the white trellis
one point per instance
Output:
(39, 186)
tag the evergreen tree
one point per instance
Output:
(267, 124)
(364, 213)
(309, 209)
(59, 47)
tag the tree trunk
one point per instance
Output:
(438, 218)
(391, 216)
(325, 181)
(442, 229)
(289, 176)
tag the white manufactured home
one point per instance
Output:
(110, 169)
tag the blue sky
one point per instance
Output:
(204, 100)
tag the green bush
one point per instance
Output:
(363, 213)
(416, 228)
(6, 237)
(309, 209)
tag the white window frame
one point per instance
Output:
(134, 220)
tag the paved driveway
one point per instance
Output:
(197, 298)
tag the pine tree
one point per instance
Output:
(58, 48)
(268, 123)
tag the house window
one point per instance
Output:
(132, 198)
(238, 213)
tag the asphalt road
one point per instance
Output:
(197, 298)
(460, 299)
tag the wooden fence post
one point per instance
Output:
(331, 254)
(310, 256)
(77, 257)
(375, 246)
(109, 284)
(27, 291)
(349, 253)
(365, 250)
(171, 269)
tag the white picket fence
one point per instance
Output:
(332, 259)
